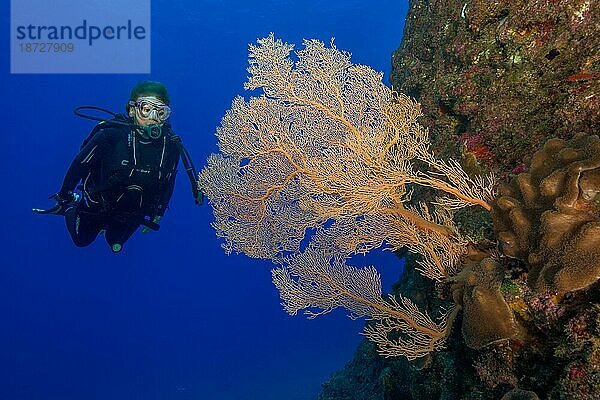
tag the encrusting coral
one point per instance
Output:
(550, 215)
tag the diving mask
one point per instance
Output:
(151, 108)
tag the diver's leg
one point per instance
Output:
(83, 227)
(126, 219)
(120, 230)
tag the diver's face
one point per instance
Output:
(149, 110)
(145, 121)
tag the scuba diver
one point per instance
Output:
(127, 168)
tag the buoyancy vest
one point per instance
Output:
(135, 171)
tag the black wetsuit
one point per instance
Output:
(124, 179)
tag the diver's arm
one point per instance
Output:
(165, 196)
(167, 192)
(88, 157)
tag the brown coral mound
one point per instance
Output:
(487, 318)
(550, 216)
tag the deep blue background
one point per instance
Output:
(171, 317)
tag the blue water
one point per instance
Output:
(171, 317)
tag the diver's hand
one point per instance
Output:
(63, 201)
(64, 198)
(156, 220)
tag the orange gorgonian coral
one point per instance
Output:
(328, 148)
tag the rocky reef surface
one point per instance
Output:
(511, 87)
(496, 79)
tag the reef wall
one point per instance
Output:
(511, 87)
(502, 77)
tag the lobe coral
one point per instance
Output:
(550, 216)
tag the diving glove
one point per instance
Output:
(64, 201)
